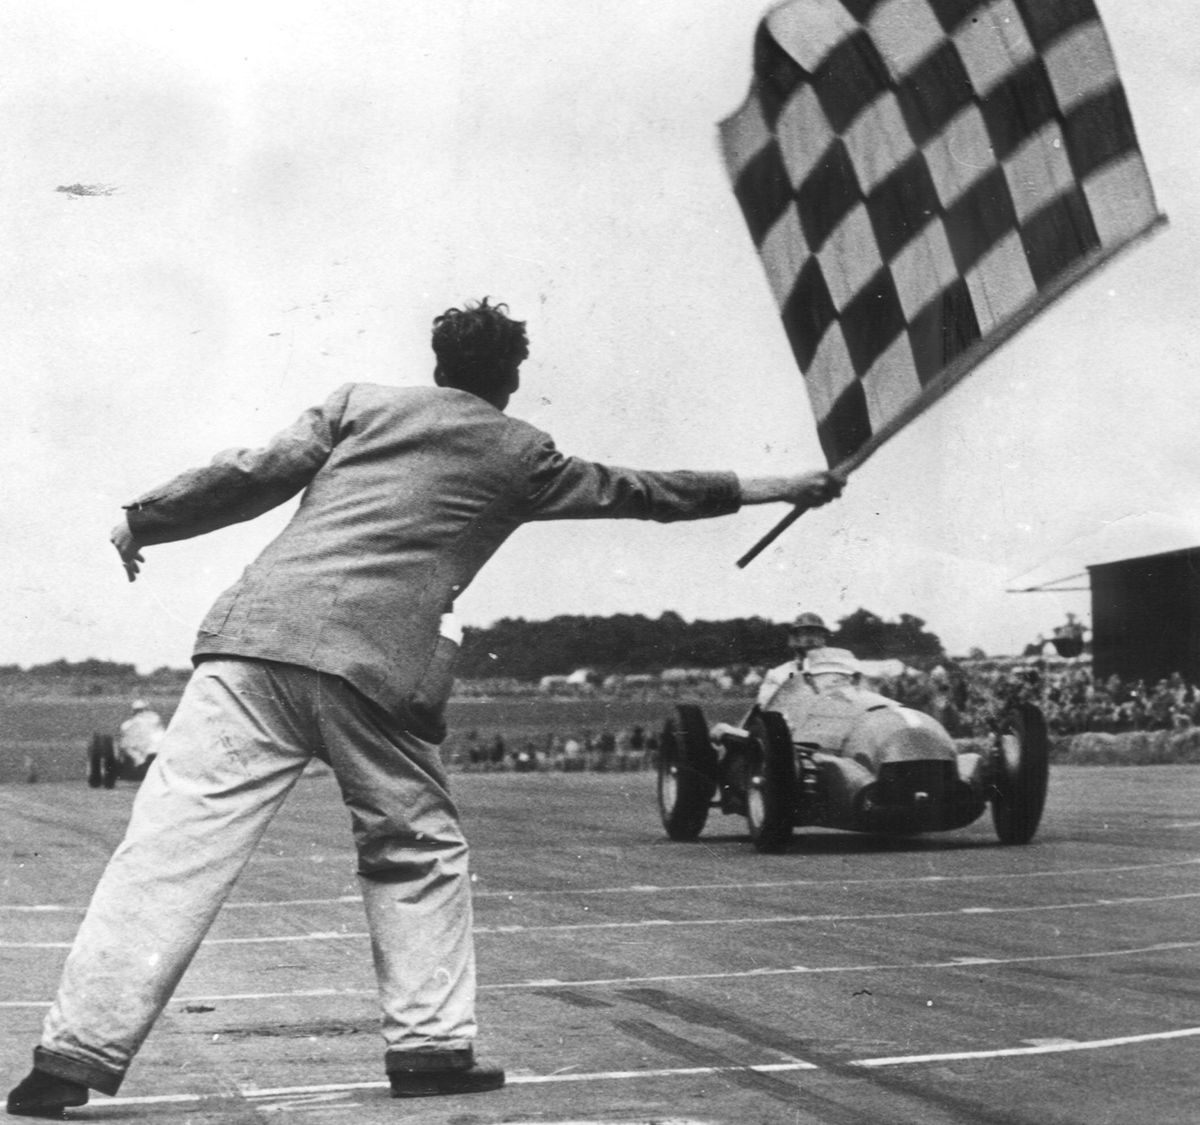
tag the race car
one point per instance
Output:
(849, 759)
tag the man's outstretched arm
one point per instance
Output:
(238, 485)
(573, 488)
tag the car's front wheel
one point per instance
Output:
(1021, 774)
(770, 791)
(687, 773)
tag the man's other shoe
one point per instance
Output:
(40, 1094)
(426, 1074)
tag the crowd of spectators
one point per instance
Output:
(607, 751)
(967, 699)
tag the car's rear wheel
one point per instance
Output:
(770, 791)
(687, 773)
(1022, 774)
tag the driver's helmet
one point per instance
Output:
(810, 621)
(806, 633)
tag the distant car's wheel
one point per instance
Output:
(95, 775)
(102, 762)
(1022, 775)
(771, 789)
(687, 773)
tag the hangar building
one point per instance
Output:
(1146, 617)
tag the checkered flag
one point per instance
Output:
(921, 178)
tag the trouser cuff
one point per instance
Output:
(424, 1060)
(73, 1070)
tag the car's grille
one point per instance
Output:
(920, 796)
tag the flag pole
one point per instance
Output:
(771, 536)
(852, 462)
(845, 468)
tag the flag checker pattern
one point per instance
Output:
(920, 178)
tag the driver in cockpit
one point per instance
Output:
(833, 671)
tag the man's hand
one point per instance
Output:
(804, 490)
(122, 538)
(811, 490)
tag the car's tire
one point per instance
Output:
(1021, 774)
(95, 772)
(687, 773)
(771, 785)
(102, 761)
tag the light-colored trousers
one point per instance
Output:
(241, 737)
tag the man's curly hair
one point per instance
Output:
(478, 347)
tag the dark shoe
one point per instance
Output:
(40, 1094)
(427, 1074)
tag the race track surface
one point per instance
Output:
(852, 981)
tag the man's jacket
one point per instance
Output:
(407, 493)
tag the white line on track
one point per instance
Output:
(679, 888)
(1063, 1047)
(658, 889)
(1058, 1048)
(676, 922)
(677, 978)
(784, 919)
(797, 970)
(56, 908)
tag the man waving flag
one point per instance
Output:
(921, 178)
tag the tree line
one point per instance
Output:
(622, 644)
(630, 644)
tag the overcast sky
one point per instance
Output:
(290, 192)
